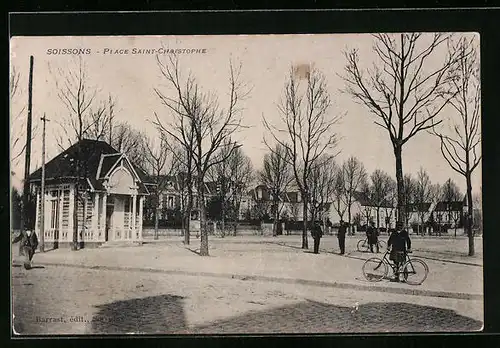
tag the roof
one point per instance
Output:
(419, 207)
(365, 201)
(108, 160)
(97, 156)
(449, 206)
(63, 165)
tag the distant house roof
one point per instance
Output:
(419, 207)
(98, 157)
(364, 200)
(449, 206)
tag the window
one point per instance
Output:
(54, 213)
(170, 202)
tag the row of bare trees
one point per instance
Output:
(199, 130)
(405, 90)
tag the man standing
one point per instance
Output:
(28, 244)
(398, 243)
(317, 233)
(341, 236)
(372, 236)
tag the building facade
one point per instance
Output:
(105, 188)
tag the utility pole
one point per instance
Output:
(42, 201)
(110, 121)
(26, 184)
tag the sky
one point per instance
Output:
(113, 68)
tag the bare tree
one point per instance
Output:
(220, 174)
(453, 199)
(405, 90)
(306, 130)
(422, 197)
(339, 192)
(199, 112)
(161, 164)
(366, 189)
(408, 195)
(354, 178)
(461, 136)
(478, 212)
(381, 186)
(277, 176)
(391, 202)
(322, 186)
(241, 174)
(131, 142)
(84, 110)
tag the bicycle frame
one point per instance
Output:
(392, 264)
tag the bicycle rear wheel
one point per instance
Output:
(415, 271)
(375, 269)
(363, 245)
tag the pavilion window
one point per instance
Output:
(54, 209)
(65, 209)
(126, 214)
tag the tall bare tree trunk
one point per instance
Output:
(470, 210)
(399, 180)
(275, 222)
(74, 245)
(157, 220)
(203, 218)
(187, 219)
(304, 230)
(349, 218)
(223, 217)
(378, 219)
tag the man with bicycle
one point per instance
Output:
(399, 244)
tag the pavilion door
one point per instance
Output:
(110, 207)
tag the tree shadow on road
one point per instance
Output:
(317, 317)
(155, 314)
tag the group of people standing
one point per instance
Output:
(317, 233)
(399, 242)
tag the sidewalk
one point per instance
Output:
(265, 260)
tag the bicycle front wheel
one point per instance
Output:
(415, 271)
(375, 269)
(363, 246)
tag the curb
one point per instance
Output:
(320, 283)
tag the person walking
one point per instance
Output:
(399, 244)
(341, 236)
(28, 242)
(317, 233)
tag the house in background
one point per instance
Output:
(112, 192)
(449, 213)
(367, 211)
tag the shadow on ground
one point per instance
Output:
(165, 315)
(155, 314)
(317, 317)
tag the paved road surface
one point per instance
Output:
(68, 300)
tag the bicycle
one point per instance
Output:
(375, 269)
(364, 246)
